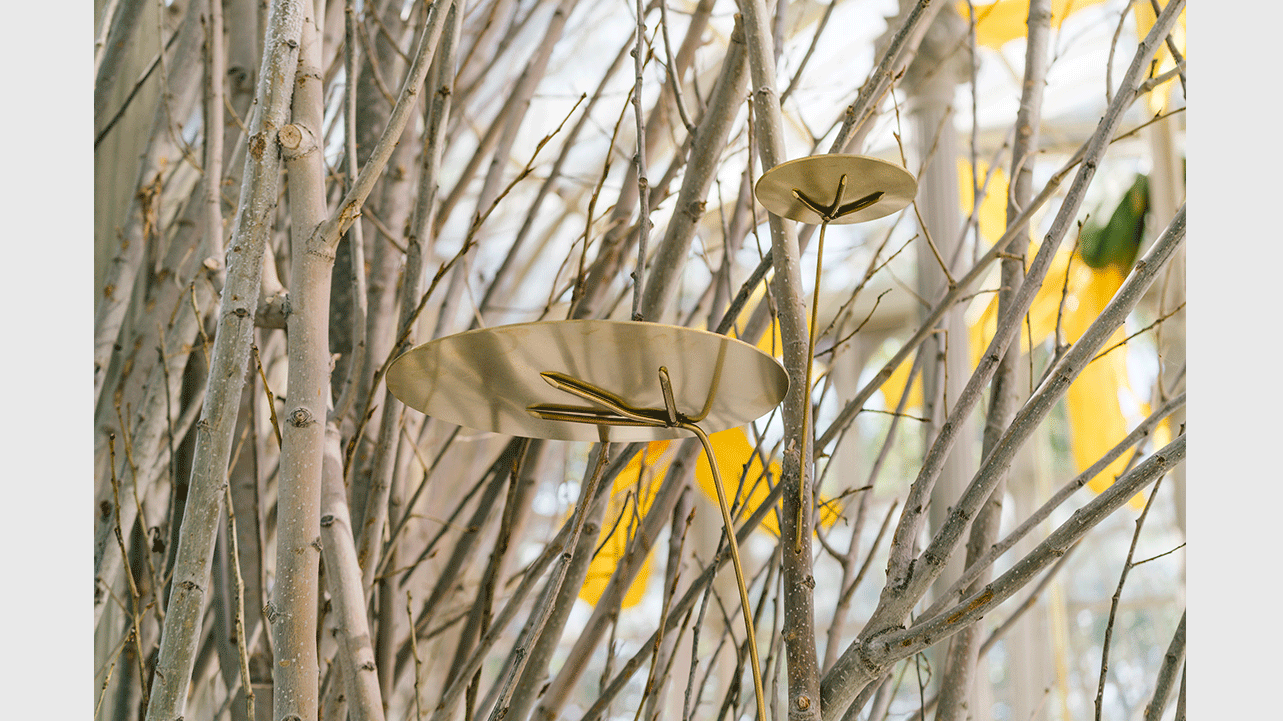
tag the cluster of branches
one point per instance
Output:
(260, 498)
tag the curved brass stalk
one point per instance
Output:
(729, 526)
(827, 214)
(807, 431)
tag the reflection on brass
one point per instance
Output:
(487, 378)
(818, 178)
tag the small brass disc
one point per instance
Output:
(818, 177)
(488, 378)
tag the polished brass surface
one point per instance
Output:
(515, 379)
(818, 177)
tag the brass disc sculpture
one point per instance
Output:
(489, 378)
(826, 189)
(811, 190)
(648, 382)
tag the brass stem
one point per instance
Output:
(729, 526)
(806, 411)
(827, 213)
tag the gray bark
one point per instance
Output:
(107, 60)
(906, 642)
(1173, 659)
(298, 544)
(432, 506)
(228, 361)
(164, 150)
(709, 143)
(1137, 435)
(799, 603)
(343, 578)
(681, 607)
(906, 582)
(618, 235)
(512, 115)
(958, 677)
(931, 81)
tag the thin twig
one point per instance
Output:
(414, 651)
(838, 343)
(1113, 45)
(639, 160)
(428, 468)
(1180, 699)
(271, 398)
(669, 591)
(111, 666)
(384, 230)
(1139, 433)
(912, 580)
(1155, 558)
(1059, 337)
(894, 60)
(539, 615)
(1147, 328)
(137, 86)
(371, 54)
(238, 611)
(580, 291)
(1177, 56)
(499, 278)
(141, 517)
(1118, 593)
(136, 612)
(1032, 598)
(527, 170)
(1157, 80)
(356, 259)
(810, 50)
(671, 69)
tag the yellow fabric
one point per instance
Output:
(993, 207)
(1095, 400)
(733, 451)
(621, 520)
(1000, 22)
(1096, 421)
(635, 489)
(893, 387)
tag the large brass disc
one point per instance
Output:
(487, 378)
(818, 177)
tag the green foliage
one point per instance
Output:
(1118, 242)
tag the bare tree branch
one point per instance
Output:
(228, 361)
